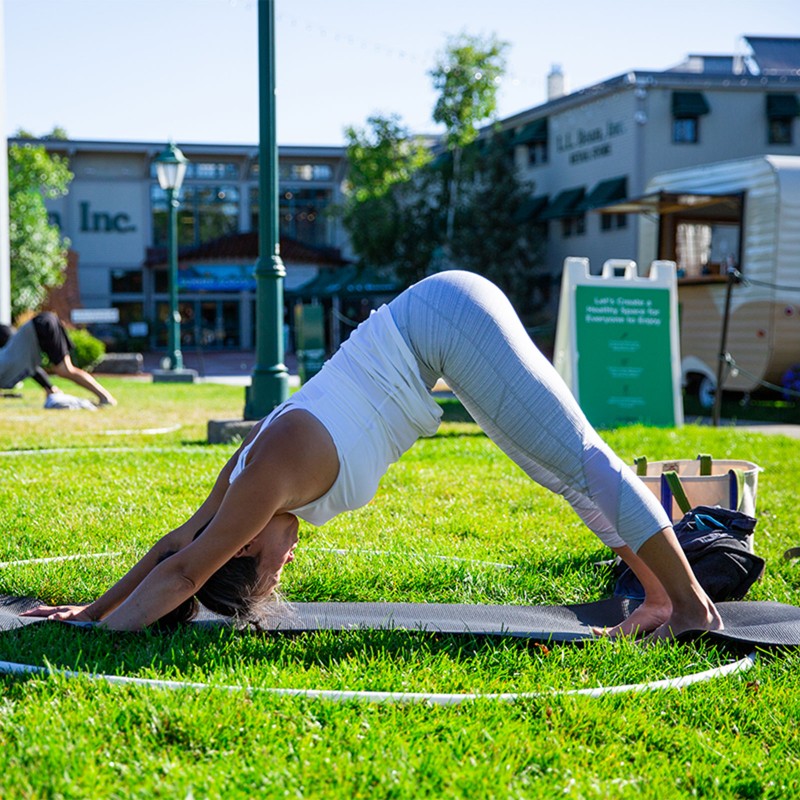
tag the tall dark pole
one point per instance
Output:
(270, 381)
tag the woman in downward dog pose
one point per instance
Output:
(325, 450)
(21, 357)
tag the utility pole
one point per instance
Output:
(270, 381)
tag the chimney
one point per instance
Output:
(556, 84)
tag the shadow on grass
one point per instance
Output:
(179, 654)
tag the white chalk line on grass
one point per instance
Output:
(432, 698)
(53, 559)
(344, 696)
(50, 451)
(143, 431)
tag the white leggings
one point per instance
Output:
(462, 328)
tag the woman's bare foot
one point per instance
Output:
(646, 618)
(700, 618)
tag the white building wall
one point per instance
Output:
(735, 127)
(588, 144)
(626, 130)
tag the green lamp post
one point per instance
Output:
(269, 385)
(170, 170)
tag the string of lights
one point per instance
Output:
(735, 368)
(751, 282)
(345, 39)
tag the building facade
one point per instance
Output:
(115, 217)
(589, 149)
(580, 152)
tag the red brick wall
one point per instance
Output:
(67, 296)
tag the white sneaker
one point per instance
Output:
(61, 400)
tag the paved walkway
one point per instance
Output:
(776, 428)
(231, 367)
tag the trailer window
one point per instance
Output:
(701, 233)
(706, 249)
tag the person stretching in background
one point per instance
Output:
(21, 357)
(326, 448)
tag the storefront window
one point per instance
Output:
(210, 324)
(611, 222)
(126, 281)
(780, 130)
(573, 226)
(206, 170)
(685, 130)
(211, 171)
(160, 281)
(306, 172)
(204, 213)
(537, 153)
(302, 214)
(216, 212)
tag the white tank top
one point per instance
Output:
(372, 401)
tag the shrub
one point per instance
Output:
(88, 350)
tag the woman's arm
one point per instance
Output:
(112, 597)
(293, 462)
(172, 542)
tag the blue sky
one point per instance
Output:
(187, 69)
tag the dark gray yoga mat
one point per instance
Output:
(747, 623)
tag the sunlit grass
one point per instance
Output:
(74, 482)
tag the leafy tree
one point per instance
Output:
(493, 236)
(38, 254)
(386, 216)
(381, 155)
(467, 76)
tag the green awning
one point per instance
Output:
(532, 132)
(565, 204)
(782, 106)
(504, 139)
(347, 281)
(689, 104)
(531, 209)
(605, 192)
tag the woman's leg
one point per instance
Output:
(462, 328)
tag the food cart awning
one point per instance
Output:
(660, 203)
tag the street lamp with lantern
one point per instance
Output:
(170, 170)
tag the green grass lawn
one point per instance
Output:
(114, 480)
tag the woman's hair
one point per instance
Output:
(234, 590)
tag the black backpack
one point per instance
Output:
(717, 544)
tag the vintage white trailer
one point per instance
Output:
(743, 214)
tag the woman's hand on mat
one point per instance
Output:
(646, 618)
(60, 613)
